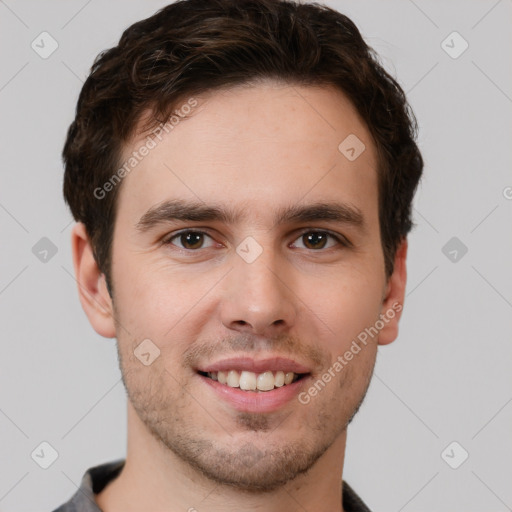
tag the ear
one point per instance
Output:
(92, 287)
(394, 296)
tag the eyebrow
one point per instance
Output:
(178, 209)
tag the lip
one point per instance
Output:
(249, 364)
(253, 401)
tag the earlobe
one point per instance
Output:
(92, 289)
(392, 304)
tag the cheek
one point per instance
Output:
(157, 298)
(167, 307)
(344, 307)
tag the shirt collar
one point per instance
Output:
(95, 479)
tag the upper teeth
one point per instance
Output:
(250, 381)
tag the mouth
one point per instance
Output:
(248, 385)
(250, 381)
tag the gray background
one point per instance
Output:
(446, 378)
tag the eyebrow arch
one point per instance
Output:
(193, 211)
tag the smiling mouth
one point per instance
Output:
(250, 381)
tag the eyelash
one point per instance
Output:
(341, 240)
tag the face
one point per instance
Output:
(246, 241)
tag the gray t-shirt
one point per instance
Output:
(96, 478)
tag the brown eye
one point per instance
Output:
(316, 240)
(189, 240)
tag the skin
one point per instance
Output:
(256, 149)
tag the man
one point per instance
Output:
(242, 175)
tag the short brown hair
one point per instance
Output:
(195, 46)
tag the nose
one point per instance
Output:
(258, 297)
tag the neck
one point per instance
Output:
(154, 478)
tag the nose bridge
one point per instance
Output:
(256, 267)
(258, 297)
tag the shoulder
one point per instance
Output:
(93, 481)
(351, 501)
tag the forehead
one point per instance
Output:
(253, 147)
